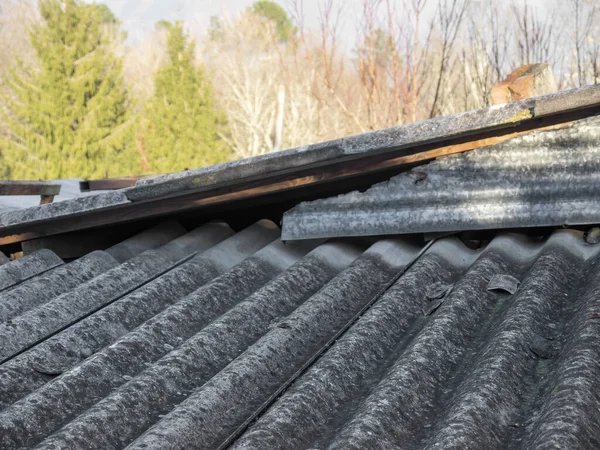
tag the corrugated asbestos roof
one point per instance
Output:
(210, 338)
(544, 178)
(363, 157)
(69, 189)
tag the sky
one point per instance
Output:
(139, 16)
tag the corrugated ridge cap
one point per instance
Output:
(430, 130)
(544, 178)
(63, 209)
(367, 144)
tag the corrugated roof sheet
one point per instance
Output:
(201, 339)
(328, 163)
(69, 189)
(545, 178)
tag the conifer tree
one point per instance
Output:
(68, 116)
(182, 126)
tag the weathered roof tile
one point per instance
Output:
(254, 343)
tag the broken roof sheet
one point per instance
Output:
(328, 162)
(544, 178)
(177, 339)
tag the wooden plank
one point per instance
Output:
(29, 188)
(46, 199)
(460, 148)
(107, 184)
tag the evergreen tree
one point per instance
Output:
(181, 128)
(68, 117)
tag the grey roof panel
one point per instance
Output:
(105, 326)
(24, 268)
(300, 168)
(50, 284)
(432, 130)
(3, 259)
(261, 344)
(67, 208)
(545, 178)
(466, 377)
(206, 347)
(276, 356)
(69, 189)
(154, 237)
(50, 317)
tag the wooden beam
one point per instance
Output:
(29, 188)
(46, 199)
(460, 148)
(46, 190)
(107, 184)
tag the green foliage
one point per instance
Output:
(275, 13)
(69, 116)
(182, 127)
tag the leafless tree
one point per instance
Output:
(405, 63)
(141, 62)
(537, 37)
(585, 15)
(450, 14)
